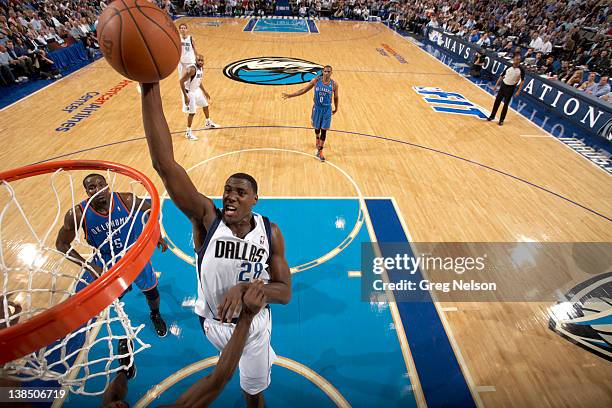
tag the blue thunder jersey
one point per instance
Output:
(96, 227)
(323, 93)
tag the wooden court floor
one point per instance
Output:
(393, 145)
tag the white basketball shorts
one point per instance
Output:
(258, 356)
(196, 100)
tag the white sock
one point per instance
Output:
(188, 130)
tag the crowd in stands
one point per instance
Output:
(569, 41)
(234, 8)
(30, 29)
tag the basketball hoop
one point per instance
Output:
(35, 333)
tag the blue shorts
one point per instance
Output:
(146, 280)
(321, 117)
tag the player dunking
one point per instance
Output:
(195, 96)
(188, 51)
(95, 221)
(233, 247)
(322, 109)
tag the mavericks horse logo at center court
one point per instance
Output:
(272, 71)
(586, 318)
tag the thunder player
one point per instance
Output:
(233, 246)
(188, 51)
(95, 221)
(322, 109)
(195, 96)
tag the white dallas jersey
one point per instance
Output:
(187, 53)
(193, 84)
(224, 260)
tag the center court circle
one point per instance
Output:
(298, 268)
(284, 362)
(272, 71)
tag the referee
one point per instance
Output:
(509, 79)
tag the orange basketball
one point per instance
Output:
(139, 40)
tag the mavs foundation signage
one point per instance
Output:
(591, 114)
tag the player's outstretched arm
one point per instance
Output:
(66, 235)
(204, 392)
(302, 91)
(278, 290)
(180, 187)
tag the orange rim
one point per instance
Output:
(63, 318)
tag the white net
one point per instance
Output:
(35, 275)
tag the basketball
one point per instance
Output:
(139, 40)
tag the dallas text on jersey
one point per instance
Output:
(238, 250)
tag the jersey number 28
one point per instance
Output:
(246, 268)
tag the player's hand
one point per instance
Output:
(208, 98)
(517, 93)
(98, 270)
(94, 270)
(334, 110)
(495, 88)
(231, 304)
(162, 244)
(286, 95)
(254, 298)
(13, 309)
(187, 100)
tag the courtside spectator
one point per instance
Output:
(588, 84)
(6, 75)
(547, 46)
(536, 42)
(549, 68)
(476, 68)
(565, 71)
(576, 79)
(47, 67)
(600, 88)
